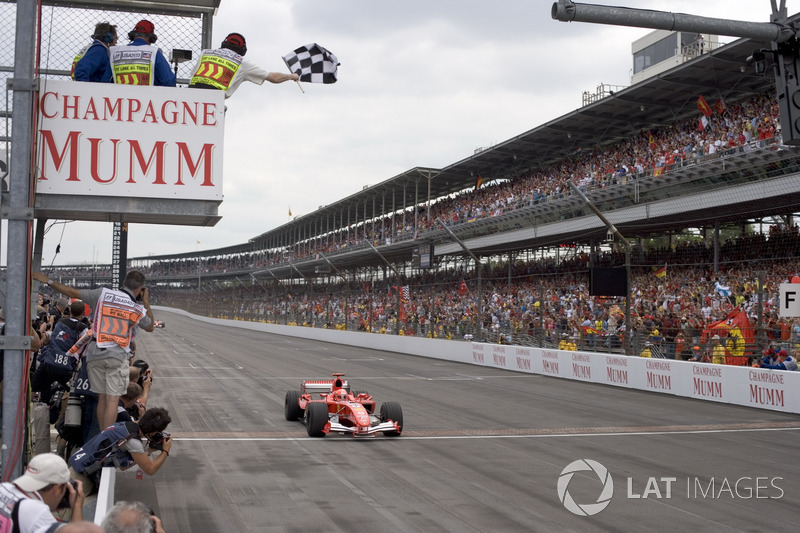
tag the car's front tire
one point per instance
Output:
(392, 411)
(316, 418)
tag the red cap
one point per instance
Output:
(236, 39)
(783, 353)
(144, 26)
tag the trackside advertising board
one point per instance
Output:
(102, 139)
(778, 390)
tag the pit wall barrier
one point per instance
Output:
(777, 390)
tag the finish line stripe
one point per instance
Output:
(421, 436)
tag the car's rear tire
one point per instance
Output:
(291, 406)
(392, 411)
(316, 418)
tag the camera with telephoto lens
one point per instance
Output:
(64, 503)
(144, 370)
(157, 440)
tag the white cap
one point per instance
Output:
(44, 469)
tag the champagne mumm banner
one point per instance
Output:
(120, 140)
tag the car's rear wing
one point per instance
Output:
(321, 386)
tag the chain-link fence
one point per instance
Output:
(67, 30)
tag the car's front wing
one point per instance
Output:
(336, 427)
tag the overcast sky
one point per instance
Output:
(421, 83)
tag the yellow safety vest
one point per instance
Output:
(217, 68)
(78, 57)
(134, 65)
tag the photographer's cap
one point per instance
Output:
(44, 469)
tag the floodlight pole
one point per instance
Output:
(477, 267)
(779, 32)
(397, 287)
(627, 249)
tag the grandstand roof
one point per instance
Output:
(653, 103)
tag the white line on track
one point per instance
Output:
(202, 367)
(462, 437)
(362, 359)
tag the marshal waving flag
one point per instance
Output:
(313, 63)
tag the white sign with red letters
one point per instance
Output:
(103, 139)
(778, 390)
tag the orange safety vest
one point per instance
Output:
(114, 319)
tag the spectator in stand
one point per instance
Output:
(647, 351)
(717, 351)
(563, 344)
(784, 361)
(131, 517)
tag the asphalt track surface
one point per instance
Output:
(482, 449)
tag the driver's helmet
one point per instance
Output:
(340, 395)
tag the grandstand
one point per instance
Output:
(637, 154)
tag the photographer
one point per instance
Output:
(116, 314)
(27, 503)
(131, 517)
(54, 363)
(121, 445)
(145, 379)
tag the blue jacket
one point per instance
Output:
(65, 333)
(95, 65)
(105, 448)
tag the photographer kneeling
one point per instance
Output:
(121, 445)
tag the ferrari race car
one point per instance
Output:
(328, 405)
(159, 324)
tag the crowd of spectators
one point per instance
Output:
(686, 300)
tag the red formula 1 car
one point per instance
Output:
(328, 405)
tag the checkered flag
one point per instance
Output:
(312, 63)
(405, 293)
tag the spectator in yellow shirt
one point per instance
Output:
(717, 351)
